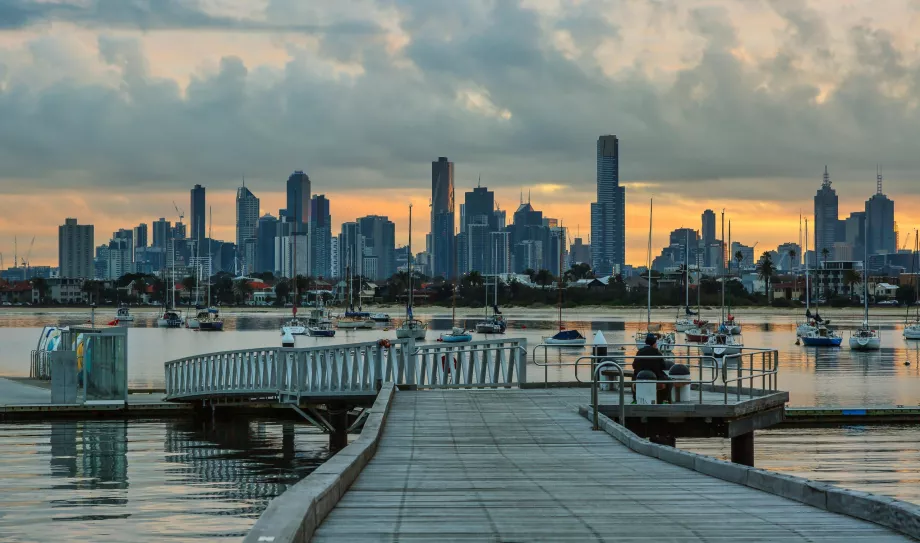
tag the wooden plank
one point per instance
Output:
(514, 465)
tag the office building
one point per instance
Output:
(784, 260)
(198, 218)
(298, 200)
(501, 252)
(379, 241)
(162, 230)
(320, 236)
(880, 222)
(855, 233)
(579, 253)
(75, 250)
(480, 219)
(825, 216)
(266, 233)
(140, 235)
(747, 256)
(247, 224)
(179, 231)
(443, 249)
(351, 250)
(334, 260)
(608, 214)
(708, 235)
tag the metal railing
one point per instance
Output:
(341, 370)
(40, 365)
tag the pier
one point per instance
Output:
(456, 443)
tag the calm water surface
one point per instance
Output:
(85, 481)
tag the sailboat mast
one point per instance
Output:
(649, 262)
(730, 264)
(559, 287)
(687, 272)
(722, 243)
(409, 260)
(807, 271)
(866, 272)
(210, 225)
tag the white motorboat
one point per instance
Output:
(294, 326)
(380, 317)
(720, 345)
(566, 338)
(912, 330)
(456, 335)
(124, 314)
(170, 319)
(354, 323)
(684, 325)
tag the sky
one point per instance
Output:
(110, 110)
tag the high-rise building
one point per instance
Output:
(140, 235)
(198, 218)
(880, 222)
(708, 235)
(443, 248)
(320, 236)
(480, 219)
(75, 250)
(351, 250)
(247, 224)
(298, 200)
(608, 214)
(825, 217)
(162, 231)
(501, 252)
(855, 233)
(179, 231)
(747, 256)
(265, 244)
(379, 241)
(334, 260)
(785, 261)
(579, 252)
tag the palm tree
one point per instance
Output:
(282, 289)
(529, 272)
(851, 278)
(766, 271)
(792, 254)
(543, 278)
(739, 257)
(474, 278)
(242, 290)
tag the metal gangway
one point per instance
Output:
(344, 372)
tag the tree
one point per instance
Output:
(792, 254)
(39, 284)
(825, 252)
(282, 290)
(543, 278)
(580, 271)
(851, 278)
(93, 289)
(242, 290)
(189, 284)
(474, 278)
(529, 272)
(740, 258)
(766, 271)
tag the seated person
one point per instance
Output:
(650, 358)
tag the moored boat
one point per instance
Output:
(866, 338)
(124, 314)
(456, 335)
(822, 337)
(411, 328)
(565, 337)
(210, 320)
(722, 344)
(170, 319)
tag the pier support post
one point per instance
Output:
(338, 419)
(743, 449)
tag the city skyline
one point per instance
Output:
(743, 101)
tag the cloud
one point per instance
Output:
(377, 90)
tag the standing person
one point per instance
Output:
(649, 358)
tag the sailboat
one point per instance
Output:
(496, 323)
(666, 341)
(912, 327)
(811, 322)
(700, 331)
(687, 322)
(210, 320)
(457, 334)
(318, 323)
(353, 320)
(293, 326)
(563, 338)
(411, 328)
(723, 342)
(866, 338)
(170, 317)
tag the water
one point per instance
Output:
(813, 376)
(880, 459)
(112, 481)
(147, 480)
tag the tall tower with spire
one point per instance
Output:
(881, 238)
(826, 212)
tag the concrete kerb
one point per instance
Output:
(295, 515)
(891, 513)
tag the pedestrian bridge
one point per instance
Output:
(351, 372)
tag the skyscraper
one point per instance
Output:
(608, 214)
(855, 233)
(247, 223)
(265, 244)
(380, 242)
(708, 235)
(880, 221)
(298, 199)
(320, 236)
(75, 250)
(198, 218)
(825, 217)
(480, 220)
(351, 250)
(442, 218)
(162, 231)
(140, 235)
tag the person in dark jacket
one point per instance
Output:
(650, 358)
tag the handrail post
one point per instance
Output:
(594, 400)
(622, 399)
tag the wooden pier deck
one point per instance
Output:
(513, 465)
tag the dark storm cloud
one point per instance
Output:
(720, 118)
(151, 15)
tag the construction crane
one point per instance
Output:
(906, 242)
(28, 259)
(179, 213)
